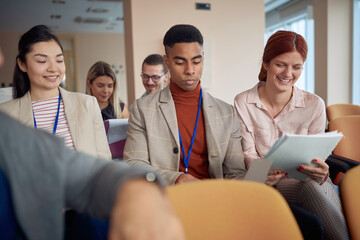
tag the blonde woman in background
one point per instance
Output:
(101, 83)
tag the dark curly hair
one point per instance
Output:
(182, 33)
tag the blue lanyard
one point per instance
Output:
(56, 118)
(187, 158)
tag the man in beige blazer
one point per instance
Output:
(157, 121)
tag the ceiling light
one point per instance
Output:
(91, 20)
(95, 20)
(59, 1)
(99, 10)
(78, 20)
(105, 0)
(55, 16)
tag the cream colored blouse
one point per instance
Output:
(303, 114)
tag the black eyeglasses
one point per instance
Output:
(154, 78)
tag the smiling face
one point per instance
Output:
(102, 88)
(185, 63)
(151, 85)
(44, 65)
(284, 70)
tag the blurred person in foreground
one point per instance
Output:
(39, 176)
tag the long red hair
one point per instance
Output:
(279, 43)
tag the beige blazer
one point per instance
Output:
(83, 116)
(153, 138)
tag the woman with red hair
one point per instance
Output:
(274, 107)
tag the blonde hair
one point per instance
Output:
(99, 69)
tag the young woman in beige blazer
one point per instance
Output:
(38, 73)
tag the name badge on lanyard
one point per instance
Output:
(187, 158)
(56, 118)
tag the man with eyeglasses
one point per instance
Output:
(153, 74)
(182, 132)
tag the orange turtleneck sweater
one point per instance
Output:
(186, 105)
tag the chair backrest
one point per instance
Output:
(116, 134)
(348, 146)
(341, 110)
(232, 209)
(350, 198)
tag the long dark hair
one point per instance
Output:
(39, 33)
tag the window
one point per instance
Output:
(302, 24)
(356, 54)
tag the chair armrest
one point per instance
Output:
(336, 165)
(349, 161)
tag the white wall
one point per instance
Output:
(8, 43)
(234, 29)
(333, 50)
(339, 51)
(91, 48)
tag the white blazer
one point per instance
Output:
(83, 116)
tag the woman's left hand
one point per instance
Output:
(318, 172)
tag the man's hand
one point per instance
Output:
(143, 211)
(185, 178)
